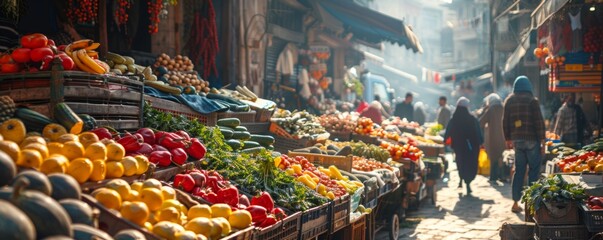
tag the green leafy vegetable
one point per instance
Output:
(551, 190)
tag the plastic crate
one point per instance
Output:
(593, 219)
(245, 117)
(287, 229)
(342, 162)
(340, 213)
(279, 131)
(181, 109)
(314, 222)
(560, 232)
(516, 231)
(565, 214)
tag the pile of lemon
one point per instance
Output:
(156, 208)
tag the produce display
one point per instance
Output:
(178, 63)
(589, 159)
(368, 165)
(364, 150)
(299, 123)
(238, 138)
(366, 126)
(407, 151)
(127, 65)
(340, 122)
(551, 190)
(36, 52)
(401, 123)
(189, 81)
(85, 57)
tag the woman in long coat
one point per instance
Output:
(491, 122)
(466, 137)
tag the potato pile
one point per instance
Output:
(185, 79)
(179, 63)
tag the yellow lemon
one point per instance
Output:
(151, 183)
(240, 219)
(38, 147)
(137, 186)
(33, 139)
(121, 186)
(115, 152)
(108, 198)
(216, 230)
(53, 131)
(171, 203)
(186, 235)
(152, 197)
(72, 150)
(54, 164)
(30, 158)
(87, 138)
(96, 151)
(99, 170)
(11, 148)
(134, 196)
(136, 212)
(200, 210)
(67, 137)
(80, 169)
(55, 148)
(143, 164)
(224, 225)
(200, 226)
(220, 210)
(167, 230)
(170, 214)
(148, 226)
(114, 169)
(13, 130)
(130, 166)
(168, 192)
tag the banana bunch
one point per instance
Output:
(85, 57)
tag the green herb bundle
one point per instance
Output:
(552, 189)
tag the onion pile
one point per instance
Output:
(178, 63)
(185, 79)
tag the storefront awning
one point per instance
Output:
(518, 54)
(469, 73)
(366, 24)
(545, 10)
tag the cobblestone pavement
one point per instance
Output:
(457, 216)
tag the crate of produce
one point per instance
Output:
(357, 229)
(515, 231)
(340, 213)
(365, 139)
(245, 117)
(432, 150)
(181, 109)
(342, 162)
(263, 115)
(257, 127)
(287, 229)
(340, 136)
(557, 214)
(560, 232)
(593, 218)
(283, 144)
(279, 131)
(314, 222)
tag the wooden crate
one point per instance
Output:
(565, 214)
(340, 213)
(314, 222)
(341, 162)
(340, 136)
(181, 109)
(279, 131)
(357, 229)
(287, 229)
(517, 231)
(263, 115)
(561, 232)
(283, 145)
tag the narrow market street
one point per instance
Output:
(457, 216)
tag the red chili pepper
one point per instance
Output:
(131, 142)
(178, 180)
(102, 133)
(258, 213)
(183, 134)
(196, 149)
(161, 158)
(263, 199)
(270, 220)
(179, 156)
(147, 134)
(171, 141)
(278, 213)
(229, 195)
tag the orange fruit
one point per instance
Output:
(11, 148)
(55, 148)
(99, 170)
(152, 197)
(41, 148)
(54, 164)
(224, 225)
(53, 131)
(200, 225)
(30, 158)
(167, 230)
(151, 183)
(136, 212)
(115, 152)
(200, 210)
(170, 214)
(220, 210)
(143, 164)
(240, 219)
(134, 196)
(168, 192)
(130, 166)
(108, 198)
(80, 169)
(13, 130)
(121, 186)
(72, 150)
(87, 138)
(114, 169)
(96, 151)
(67, 137)
(32, 139)
(136, 186)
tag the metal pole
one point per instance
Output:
(492, 49)
(601, 105)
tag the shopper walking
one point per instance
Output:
(419, 114)
(494, 138)
(571, 124)
(466, 138)
(523, 127)
(405, 109)
(444, 112)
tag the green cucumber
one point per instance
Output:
(227, 133)
(254, 150)
(34, 121)
(66, 117)
(229, 122)
(264, 140)
(271, 147)
(241, 135)
(234, 144)
(241, 128)
(250, 144)
(89, 122)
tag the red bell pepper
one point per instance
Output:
(270, 220)
(229, 195)
(211, 197)
(178, 180)
(131, 142)
(158, 136)
(263, 199)
(171, 141)
(199, 178)
(147, 134)
(196, 191)
(278, 213)
(183, 134)
(145, 149)
(212, 183)
(215, 174)
(258, 213)
(179, 156)
(244, 200)
(102, 133)
(188, 183)
(158, 147)
(196, 149)
(161, 158)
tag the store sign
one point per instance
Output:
(574, 67)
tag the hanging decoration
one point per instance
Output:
(83, 11)
(203, 41)
(155, 7)
(121, 13)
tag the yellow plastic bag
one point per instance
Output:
(483, 163)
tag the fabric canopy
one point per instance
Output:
(545, 10)
(469, 73)
(368, 25)
(519, 52)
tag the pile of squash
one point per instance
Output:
(36, 206)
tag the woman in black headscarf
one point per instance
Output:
(466, 137)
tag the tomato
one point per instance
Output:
(10, 68)
(21, 55)
(36, 40)
(6, 58)
(38, 54)
(68, 63)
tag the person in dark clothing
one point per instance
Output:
(405, 109)
(466, 137)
